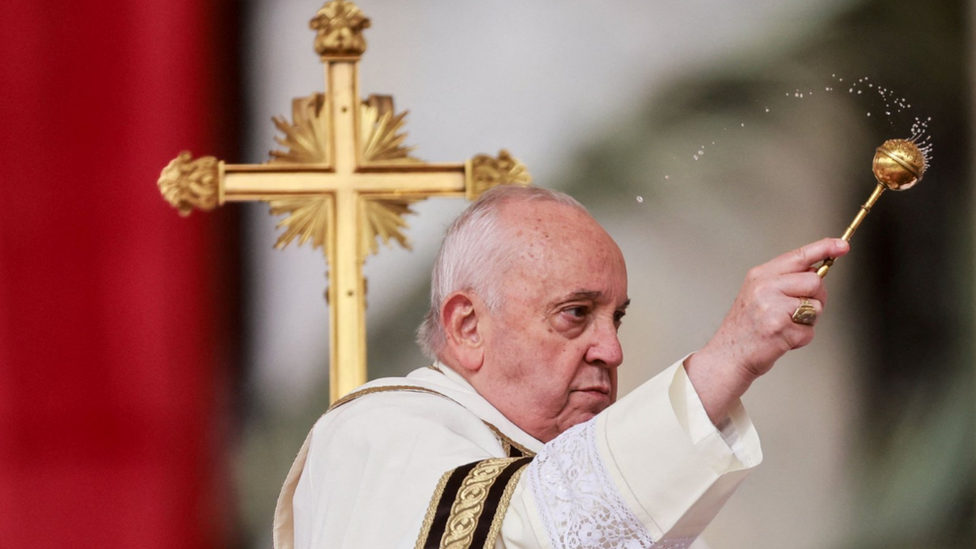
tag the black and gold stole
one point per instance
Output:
(469, 504)
(470, 501)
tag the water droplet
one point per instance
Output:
(869, 114)
(701, 153)
(695, 156)
(640, 199)
(767, 109)
(859, 92)
(667, 177)
(743, 124)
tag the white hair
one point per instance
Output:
(474, 254)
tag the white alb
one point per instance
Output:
(578, 502)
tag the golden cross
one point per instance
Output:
(345, 180)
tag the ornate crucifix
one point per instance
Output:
(344, 181)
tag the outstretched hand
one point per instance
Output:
(759, 329)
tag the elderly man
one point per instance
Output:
(513, 437)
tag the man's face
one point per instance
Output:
(551, 350)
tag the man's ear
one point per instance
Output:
(460, 315)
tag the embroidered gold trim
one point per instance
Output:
(470, 503)
(496, 521)
(508, 443)
(388, 388)
(432, 510)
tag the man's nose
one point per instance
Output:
(605, 347)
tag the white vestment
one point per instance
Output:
(400, 463)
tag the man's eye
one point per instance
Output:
(618, 317)
(575, 312)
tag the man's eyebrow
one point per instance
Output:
(574, 296)
(582, 294)
(591, 295)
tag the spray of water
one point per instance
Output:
(893, 106)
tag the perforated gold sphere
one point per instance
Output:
(898, 164)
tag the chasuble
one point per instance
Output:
(425, 462)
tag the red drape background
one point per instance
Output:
(111, 352)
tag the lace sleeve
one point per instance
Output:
(578, 502)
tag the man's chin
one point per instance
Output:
(590, 403)
(582, 416)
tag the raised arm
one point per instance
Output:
(760, 327)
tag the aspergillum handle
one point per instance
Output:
(865, 209)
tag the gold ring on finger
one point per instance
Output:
(805, 314)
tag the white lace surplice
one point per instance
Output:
(650, 472)
(577, 502)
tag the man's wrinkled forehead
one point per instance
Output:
(546, 221)
(545, 235)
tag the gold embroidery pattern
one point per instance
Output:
(385, 389)
(432, 510)
(506, 442)
(470, 502)
(496, 521)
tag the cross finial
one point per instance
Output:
(339, 29)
